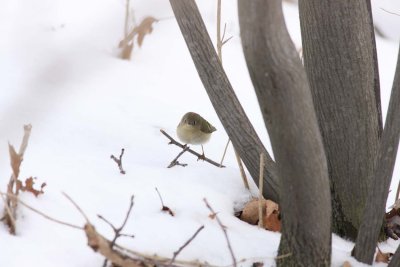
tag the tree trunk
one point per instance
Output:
(222, 96)
(374, 212)
(338, 57)
(377, 87)
(286, 103)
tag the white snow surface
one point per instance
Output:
(60, 72)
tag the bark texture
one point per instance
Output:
(338, 57)
(374, 212)
(222, 96)
(286, 103)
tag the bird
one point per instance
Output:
(194, 129)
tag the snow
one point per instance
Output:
(60, 73)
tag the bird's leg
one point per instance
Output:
(202, 157)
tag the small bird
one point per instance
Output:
(194, 129)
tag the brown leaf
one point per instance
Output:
(145, 27)
(271, 217)
(168, 210)
(29, 183)
(15, 159)
(383, 257)
(250, 212)
(346, 264)
(212, 216)
(127, 51)
(272, 222)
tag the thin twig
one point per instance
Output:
(260, 195)
(398, 192)
(39, 212)
(283, 256)
(393, 13)
(241, 168)
(226, 148)
(117, 231)
(10, 216)
(175, 161)
(119, 161)
(227, 40)
(174, 142)
(223, 34)
(219, 40)
(224, 230)
(77, 207)
(176, 253)
(159, 195)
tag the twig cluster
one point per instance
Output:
(117, 230)
(124, 257)
(119, 161)
(186, 148)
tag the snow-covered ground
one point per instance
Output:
(59, 72)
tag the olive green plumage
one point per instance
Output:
(194, 129)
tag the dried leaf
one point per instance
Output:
(168, 210)
(383, 257)
(250, 212)
(271, 218)
(29, 183)
(272, 222)
(258, 264)
(346, 264)
(212, 216)
(15, 159)
(127, 51)
(145, 27)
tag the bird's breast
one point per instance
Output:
(192, 135)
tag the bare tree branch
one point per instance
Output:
(119, 161)
(117, 231)
(176, 253)
(77, 207)
(174, 142)
(15, 198)
(175, 161)
(223, 228)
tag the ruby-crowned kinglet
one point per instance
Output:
(194, 129)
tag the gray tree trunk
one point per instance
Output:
(286, 103)
(222, 96)
(338, 57)
(374, 212)
(377, 87)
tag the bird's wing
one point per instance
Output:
(206, 127)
